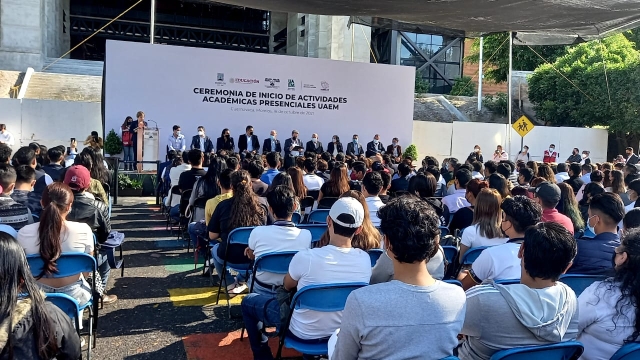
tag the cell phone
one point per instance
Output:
(73, 139)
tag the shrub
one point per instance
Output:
(463, 87)
(412, 151)
(113, 143)
(497, 104)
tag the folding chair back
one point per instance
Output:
(327, 202)
(307, 202)
(240, 235)
(68, 305)
(71, 263)
(507, 281)
(314, 194)
(317, 230)
(444, 231)
(569, 350)
(318, 216)
(9, 230)
(374, 254)
(630, 351)
(296, 218)
(580, 282)
(450, 253)
(275, 262)
(454, 282)
(472, 254)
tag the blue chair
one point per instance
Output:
(318, 216)
(9, 230)
(323, 298)
(630, 351)
(580, 282)
(68, 305)
(317, 230)
(450, 253)
(237, 236)
(507, 281)
(472, 254)
(374, 254)
(588, 234)
(561, 351)
(295, 218)
(69, 264)
(444, 231)
(451, 358)
(454, 282)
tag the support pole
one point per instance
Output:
(353, 39)
(509, 92)
(480, 74)
(152, 23)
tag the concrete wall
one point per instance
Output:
(458, 139)
(49, 122)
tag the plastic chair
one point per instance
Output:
(112, 245)
(374, 254)
(472, 254)
(323, 298)
(569, 350)
(451, 358)
(70, 264)
(314, 194)
(327, 202)
(68, 305)
(9, 230)
(237, 236)
(295, 218)
(507, 281)
(444, 231)
(629, 351)
(317, 230)
(318, 216)
(454, 282)
(450, 253)
(307, 202)
(580, 282)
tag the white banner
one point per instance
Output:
(230, 89)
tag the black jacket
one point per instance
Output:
(314, 148)
(351, 150)
(92, 212)
(332, 146)
(290, 142)
(242, 143)
(225, 144)
(53, 170)
(208, 144)
(633, 159)
(574, 159)
(373, 149)
(24, 345)
(266, 146)
(441, 210)
(575, 182)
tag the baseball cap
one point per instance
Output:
(347, 212)
(78, 178)
(547, 191)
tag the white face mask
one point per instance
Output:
(552, 150)
(314, 139)
(375, 141)
(201, 133)
(584, 156)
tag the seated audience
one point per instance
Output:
(586, 173)
(205, 188)
(26, 156)
(540, 310)
(609, 309)
(386, 185)
(631, 220)
(371, 187)
(176, 171)
(596, 177)
(594, 255)
(337, 262)
(188, 178)
(616, 177)
(95, 186)
(548, 196)
(499, 182)
(32, 327)
(485, 230)
(464, 216)
(402, 182)
(424, 186)
(562, 175)
(373, 323)
(54, 235)
(477, 170)
(55, 167)
(524, 177)
(256, 169)
(633, 191)
(357, 174)
(501, 262)
(5, 154)
(25, 180)
(12, 213)
(274, 163)
(457, 200)
(575, 173)
(590, 191)
(569, 206)
(241, 210)
(298, 183)
(337, 185)
(283, 235)
(545, 172)
(99, 174)
(323, 169)
(505, 170)
(310, 179)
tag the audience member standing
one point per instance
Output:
(575, 157)
(12, 213)
(550, 155)
(411, 233)
(127, 143)
(176, 141)
(5, 136)
(354, 149)
(485, 230)
(314, 146)
(272, 144)
(335, 146)
(375, 146)
(632, 159)
(225, 142)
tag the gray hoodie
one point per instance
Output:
(521, 316)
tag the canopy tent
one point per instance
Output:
(536, 22)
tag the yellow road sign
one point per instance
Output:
(523, 125)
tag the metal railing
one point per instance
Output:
(116, 171)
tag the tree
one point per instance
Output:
(497, 69)
(591, 102)
(463, 87)
(422, 86)
(412, 151)
(113, 143)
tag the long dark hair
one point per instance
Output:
(298, 184)
(338, 182)
(56, 200)
(209, 182)
(246, 209)
(16, 279)
(98, 171)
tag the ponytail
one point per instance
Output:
(56, 199)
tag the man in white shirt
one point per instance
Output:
(176, 140)
(562, 174)
(586, 173)
(311, 181)
(501, 262)
(457, 200)
(500, 154)
(335, 263)
(5, 136)
(371, 186)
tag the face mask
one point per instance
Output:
(334, 140)
(178, 133)
(273, 137)
(551, 150)
(354, 176)
(355, 141)
(504, 231)
(294, 137)
(476, 150)
(395, 143)
(251, 133)
(226, 135)
(584, 156)
(314, 139)
(201, 133)
(375, 141)
(591, 228)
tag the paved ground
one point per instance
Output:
(166, 309)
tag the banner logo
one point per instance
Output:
(308, 86)
(244, 81)
(272, 83)
(220, 79)
(291, 84)
(324, 86)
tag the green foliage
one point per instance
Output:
(463, 87)
(499, 104)
(125, 182)
(113, 143)
(412, 151)
(634, 37)
(560, 103)
(422, 86)
(497, 70)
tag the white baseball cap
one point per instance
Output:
(347, 212)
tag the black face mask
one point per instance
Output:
(250, 133)
(226, 135)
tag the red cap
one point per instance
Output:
(78, 178)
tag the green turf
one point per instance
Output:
(180, 264)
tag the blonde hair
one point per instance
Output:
(487, 213)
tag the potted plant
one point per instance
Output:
(412, 151)
(113, 143)
(128, 186)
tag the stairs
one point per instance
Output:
(65, 87)
(74, 67)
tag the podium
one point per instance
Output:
(150, 146)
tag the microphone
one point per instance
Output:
(154, 123)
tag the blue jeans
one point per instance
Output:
(197, 231)
(218, 263)
(103, 267)
(260, 308)
(128, 156)
(174, 213)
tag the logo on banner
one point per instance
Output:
(272, 83)
(291, 85)
(324, 86)
(308, 86)
(220, 79)
(244, 81)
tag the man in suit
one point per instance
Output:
(314, 145)
(272, 144)
(289, 153)
(248, 142)
(632, 158)
(354, 148)
(374, 147)
(395, 150)
(202, 142)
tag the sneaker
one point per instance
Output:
(239, 289)
(83, 343)
(109, 299)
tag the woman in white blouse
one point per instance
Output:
(487, 217)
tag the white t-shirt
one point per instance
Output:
(7, 138)
(598, 333)
(325, 265)
(312, 181)
(374, 203)
(75, 237)
(471, 238)
(456, 201)
(497, 263)
(276, 238)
